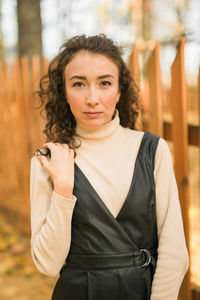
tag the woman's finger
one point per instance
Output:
(52, 146)
(42, 160)
(49, 145)
(65, 146)
(71, 151)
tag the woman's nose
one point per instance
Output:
(92, 97)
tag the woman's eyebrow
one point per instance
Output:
(105, 76)
(77, 77)
(84, 78)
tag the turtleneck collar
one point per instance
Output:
(97, 133)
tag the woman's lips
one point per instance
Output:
(93, 114)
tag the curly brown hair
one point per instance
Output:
(61, 124)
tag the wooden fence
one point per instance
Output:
(179, 131)
(165, 113)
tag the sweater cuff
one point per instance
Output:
(59, 199)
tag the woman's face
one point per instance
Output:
(92, 88)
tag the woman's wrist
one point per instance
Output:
(63, 190)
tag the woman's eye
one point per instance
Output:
(105, 83)
(79, 83)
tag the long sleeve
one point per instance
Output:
(173, 258)
(51, 216)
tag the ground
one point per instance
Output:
(19, 279)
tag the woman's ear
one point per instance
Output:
(118, 97)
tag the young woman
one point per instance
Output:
(105, 212)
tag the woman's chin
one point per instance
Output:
(94, 123)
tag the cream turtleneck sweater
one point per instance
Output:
(107, 158)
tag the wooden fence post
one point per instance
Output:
(45, 65)
(26, 83)
(20, 133)
(155, 89)
(134, 67)
(3, 109)
(199, 110)
(36, 74)
(10, 149)
(180, 143)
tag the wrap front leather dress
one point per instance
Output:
(113, 258)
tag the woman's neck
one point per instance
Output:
(102, 132)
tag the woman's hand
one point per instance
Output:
(60, 167)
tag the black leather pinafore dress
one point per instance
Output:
(113, 258)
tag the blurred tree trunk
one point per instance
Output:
(147, 20)
(1, 37)
(137, 18)
(29, 27)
